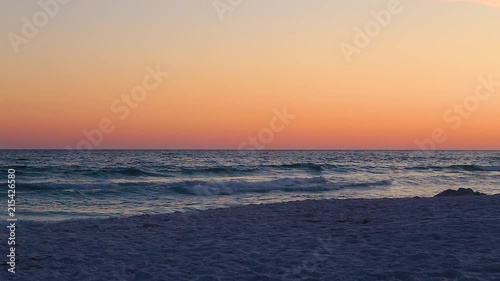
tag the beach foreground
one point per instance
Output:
(378, 239)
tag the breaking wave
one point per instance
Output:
(316, 184)
(207, 188)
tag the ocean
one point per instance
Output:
(54, 185)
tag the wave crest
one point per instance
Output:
(469, 168)
(316, 184)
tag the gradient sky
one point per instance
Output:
(227, 77)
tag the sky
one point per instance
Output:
(283, 74)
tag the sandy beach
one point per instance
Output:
(446, 238)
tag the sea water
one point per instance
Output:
(63, 184)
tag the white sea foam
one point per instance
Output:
(211, 188)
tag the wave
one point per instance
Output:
(130, 171)
(86, 171)
(316, 184)
(232, 170)
(309, 166)
(65, 186)
(63, 171)
(201, 188)
(29, 168)
(489, 168)
(469, 168)
(216, 170)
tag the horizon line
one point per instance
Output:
(249, 150)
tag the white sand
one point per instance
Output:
(382, 239)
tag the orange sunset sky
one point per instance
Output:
(230, 71)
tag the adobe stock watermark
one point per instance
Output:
(456, 115)
(31, 26)
(265, 136)
(311, 264)
(224, 6)
(122, 107)
(372, 29)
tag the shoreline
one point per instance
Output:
(101, 217)
(335, 239)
